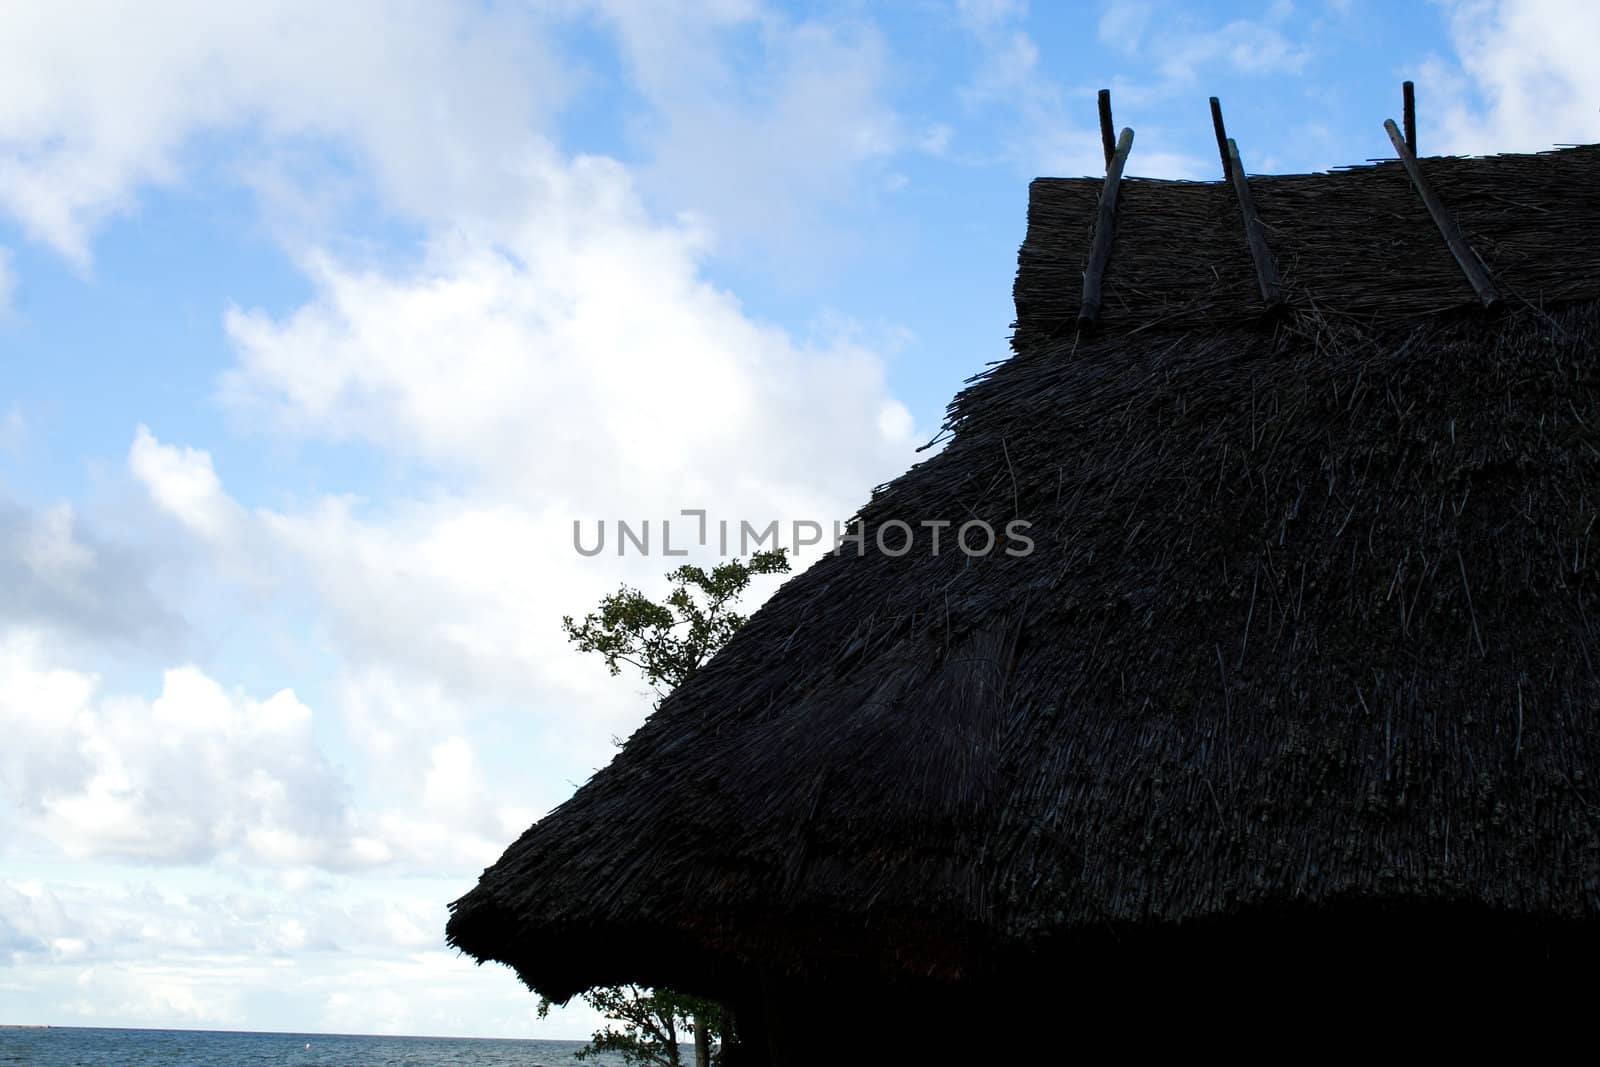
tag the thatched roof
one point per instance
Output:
(1311, 622)
(1355, 242)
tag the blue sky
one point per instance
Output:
(320, 324)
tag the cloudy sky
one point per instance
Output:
(321, 323)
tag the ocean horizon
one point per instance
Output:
(49, 1045)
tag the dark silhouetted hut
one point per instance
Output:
(1298, 681)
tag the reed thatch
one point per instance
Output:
(1357, 242)
(1311, 623)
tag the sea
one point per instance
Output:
(72, 1046)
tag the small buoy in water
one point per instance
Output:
(308, 1044)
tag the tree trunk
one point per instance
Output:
(673, 1058)
(702, 1045)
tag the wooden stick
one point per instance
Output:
(1104, 229)
(1408, 98)
(1222, 138)
(1266, 269)
(1466, 258)
(1106, 129)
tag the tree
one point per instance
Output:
(652, 1021)
(669, 641)
(666, 642)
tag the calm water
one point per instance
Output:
(79, 1047)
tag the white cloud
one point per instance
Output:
(165, 996)
(1180, 47)
(1524, 79)
(148, 955)
(43, 711)
(48, 549)
(101, 99)
(1044, 132)
(143, 921)
(1123, 24)
(184, 484)
(59, 575)
(585, 342)
(199, 775)
(770, 123)
(982, 14)
(441, 106)
(192, 774)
